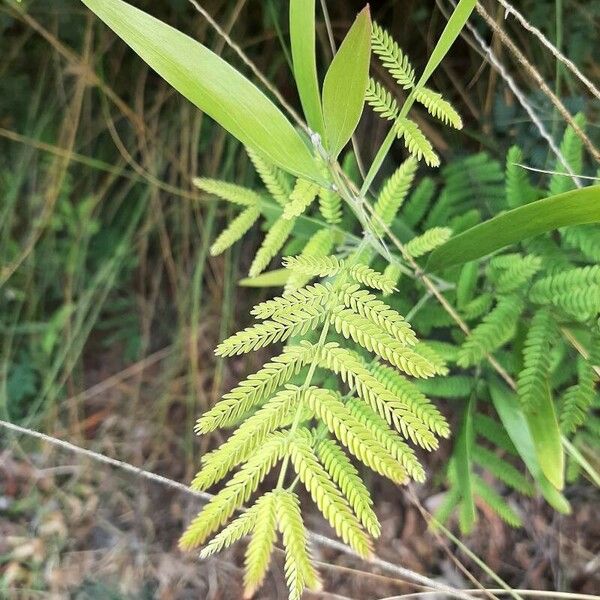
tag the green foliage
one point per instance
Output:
(415, 141)
(392, 57)
(354, 379)
(536, 359)
(494, 331)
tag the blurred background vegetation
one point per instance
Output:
(110, 306)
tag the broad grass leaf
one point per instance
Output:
(509, 410)
(302, 34)
(212, 85)
(576, 207)
(346, 83)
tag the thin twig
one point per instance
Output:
(539, 80)
(205, 497)
(242, 55)
(511, 10)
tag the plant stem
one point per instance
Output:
(386, 145)
(307, 382)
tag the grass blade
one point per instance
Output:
(576, 207)
(452, 30)
(302, 34)
(346, 83)
(509, 410)
(212, 85)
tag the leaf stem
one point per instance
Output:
(305, 385)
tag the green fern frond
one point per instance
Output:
(578, 400)
(236, 230)
(326, 495)
(231, 192)
(418, 203)
(247, 438)
(571, 148)
(353, 435)
(344, 474)
(381, 100)
(389, 439)
(379, 313)
(477, 307)
(299, 569)
(416, 142)
(533, 378)
(260, 547)
(585, 238)
(392, 57)
(438, 107)
(426, 242)
(502, 470)
(493, 332)
(394, 191)
(374, 339)
(454, 386)
(235, 531)
(237, 491)
(496, 502)
(509, 272)
(275, 180)
(272, 244)
(577, 291)
(403, 407)
(256, 388)
(518, 189)
(263, 334)
(301, 198)
(311, 295)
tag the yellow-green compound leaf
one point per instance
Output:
(272, 244)
(346, 83)
(438, 107)
(302, 34)
(300, 199)
(416, 142)
(258, 553)
(231, 192)
(235, 230)
(299, 570)
(212, 85)
(571, 208)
